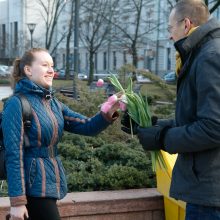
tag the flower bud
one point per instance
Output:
(100, 83)
(106, 107)
(122, 106)
(112, 99)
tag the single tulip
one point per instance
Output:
(113, 99)
(123, 98)
(106, 107)
(100, 83)
(123, 106)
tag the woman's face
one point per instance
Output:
(41, 70)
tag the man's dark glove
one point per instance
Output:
(165, 122)
(152, 138)
(126, 122)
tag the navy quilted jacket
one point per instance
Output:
(33, 167)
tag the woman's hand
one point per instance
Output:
(111, 106)
(18, 213)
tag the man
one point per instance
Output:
(195, 132)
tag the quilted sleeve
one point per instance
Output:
(79, 124)
(12, 127)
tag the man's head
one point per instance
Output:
(185, 15)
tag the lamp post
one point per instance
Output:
(31, 27)
(76, 48)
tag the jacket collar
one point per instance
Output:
(185, 45)
(200, 33)
(26, 86)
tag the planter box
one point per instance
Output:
(135, 204)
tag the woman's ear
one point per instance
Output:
(27, 70)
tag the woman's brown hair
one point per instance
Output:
(19, 64)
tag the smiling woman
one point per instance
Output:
(32, 161)
(36, 65)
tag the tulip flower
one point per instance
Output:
(113, 99)
(100, 83)
(106, 107)
(138, 110)
(122, 106)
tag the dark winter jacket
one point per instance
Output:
(33, 166)
(196, 135)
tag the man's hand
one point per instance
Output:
(127, 122)
(152, 138)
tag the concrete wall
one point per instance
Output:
(136, 204)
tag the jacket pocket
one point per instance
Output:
(32, 172)
(187, 168)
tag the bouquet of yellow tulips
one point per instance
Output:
(138, 110)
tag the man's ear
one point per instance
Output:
(27, 70)
(188, 25)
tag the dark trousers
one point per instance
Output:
(42, 209)
(200, 212)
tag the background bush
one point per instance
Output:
(111, 160)
(104, 165)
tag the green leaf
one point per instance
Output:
(139, 111)
(130, 86)
(114, 81)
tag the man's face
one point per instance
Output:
(176, 27)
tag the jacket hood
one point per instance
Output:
(27, 86)
(212, 26)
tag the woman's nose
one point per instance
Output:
(51, 69)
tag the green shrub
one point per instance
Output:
(4, 81)
(99, 165)
(112, 159)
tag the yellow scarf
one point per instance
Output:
(178, 58)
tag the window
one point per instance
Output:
(3, 36)
(104, 60)
(71, 61)
(114, 60)
(64, 60)
(11, 35)
(96, 61)
(168, 58)
(15, 34)
(124, 57)
(87, 61)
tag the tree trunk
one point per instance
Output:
(91, 67)
(134, 60)
(68, 39)
(67, 68)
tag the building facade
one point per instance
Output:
(155, 51)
